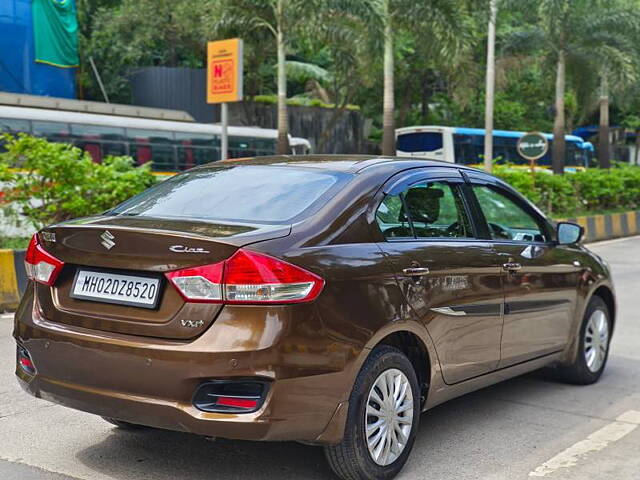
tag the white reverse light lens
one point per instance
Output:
(42, 271)
(198, 288)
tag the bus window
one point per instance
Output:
(93, 131)
(196, 149)
(573, 155)
(53, 131)
(192, 155)
(99, 140)
(265, 146)
(420, 142)
(468, 149)
(115, 146)
(241, 147)
(13, 125)
(153, 145)
(505, 149)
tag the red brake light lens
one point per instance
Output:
(251, 277)
(247, 277)
(40, 265)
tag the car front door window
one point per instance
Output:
(506, 219)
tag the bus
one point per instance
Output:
(170, 146)
(466, 146)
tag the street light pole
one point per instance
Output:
(490, 87)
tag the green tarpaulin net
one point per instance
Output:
(55, 27)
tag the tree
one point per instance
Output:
(440, 18)
(281, 18)
(574, 33)
(129, 34)
(58, 181)
(490, 88)
(616, 61)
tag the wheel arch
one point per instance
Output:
(606, 294)
(416, 351)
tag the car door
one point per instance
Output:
(450, 278)
(539, 278)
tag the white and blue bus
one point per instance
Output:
(466, 146)
(169, 146)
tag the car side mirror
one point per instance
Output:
(568, 233)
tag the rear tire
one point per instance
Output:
(363, 453)
(593, 345)
(122, 425)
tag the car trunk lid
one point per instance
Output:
(141, 247)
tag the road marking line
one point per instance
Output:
(623, 426)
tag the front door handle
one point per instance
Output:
(416, 271)
(511, 267)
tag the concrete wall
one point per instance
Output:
(313, 123)
(184, 89)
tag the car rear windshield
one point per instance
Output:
(245, 194)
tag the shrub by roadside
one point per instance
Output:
(14, 243)
(592, 191)
(45, 182)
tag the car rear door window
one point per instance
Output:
(507, 220)
(424, 210)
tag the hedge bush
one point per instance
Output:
(44, 182)
(592, 191)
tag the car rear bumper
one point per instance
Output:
(152, 381)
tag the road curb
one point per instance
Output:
(608, 226)
(13, 278)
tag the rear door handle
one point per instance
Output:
(416, 271)
(511, 267)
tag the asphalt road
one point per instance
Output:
(525, 428)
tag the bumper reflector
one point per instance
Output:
(228, 396)
(24, 361)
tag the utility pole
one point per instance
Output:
(490, 87)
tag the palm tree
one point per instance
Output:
(587, 32)
(617, 64)
(441, 18)
(490, 87)
(281, 18)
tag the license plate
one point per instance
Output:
(105, 287)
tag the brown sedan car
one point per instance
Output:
(327, 300)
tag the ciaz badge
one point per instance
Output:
(183, 249)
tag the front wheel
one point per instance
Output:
(384, 411)
(593, 345)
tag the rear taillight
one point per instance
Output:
(247, 277)
(40, 265)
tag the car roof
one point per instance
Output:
(340, 163)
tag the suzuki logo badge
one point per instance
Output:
(107, 240)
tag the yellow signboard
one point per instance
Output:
(224, 71)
